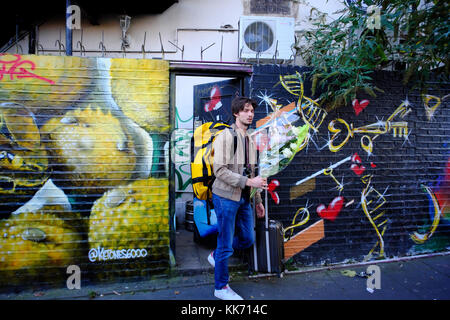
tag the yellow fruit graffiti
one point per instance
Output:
(141, 89)
(49, 237)
(132, 217)
(91, 148)
(94, 127)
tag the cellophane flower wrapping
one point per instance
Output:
(278, 141)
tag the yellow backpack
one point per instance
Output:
(202, 157)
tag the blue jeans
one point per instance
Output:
(236, 231)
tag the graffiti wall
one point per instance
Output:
(83, 166)
(368, 181)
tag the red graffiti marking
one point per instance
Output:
(271, 188)
(357, 166)
(17, 68)
(215, 102)
(359, 106)
(333, 209)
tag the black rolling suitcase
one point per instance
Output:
(267, 254)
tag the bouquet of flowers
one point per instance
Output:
(279, 139)
(284, 143)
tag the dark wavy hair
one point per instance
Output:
(239, 103)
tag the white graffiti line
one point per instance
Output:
(265, 99)
(108, 254)
(318, 173)
(383, 195)
(311, 138)
(407, 139)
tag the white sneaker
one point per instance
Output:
(227, 294)
(211, 259)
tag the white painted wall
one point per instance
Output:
(183, 24)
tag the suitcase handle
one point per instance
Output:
(266, 216)
(255, 257)
(266, 232)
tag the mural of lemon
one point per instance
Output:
(43, 233)
(140, 87)
(90, 149)
(132, 217)
(98, 129)
(23, 159)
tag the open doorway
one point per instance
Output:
(196, 99)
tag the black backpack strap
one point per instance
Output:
(209, 206)
(235, 139)
(192, 148)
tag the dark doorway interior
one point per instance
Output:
(195, 99)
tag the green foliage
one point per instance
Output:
(345, 52)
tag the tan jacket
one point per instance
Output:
(229, 168)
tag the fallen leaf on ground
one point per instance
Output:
(348, 273)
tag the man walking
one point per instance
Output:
(235, 176)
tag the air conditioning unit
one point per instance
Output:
(266, 36)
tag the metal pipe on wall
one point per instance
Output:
(17, 39)
(68, 31)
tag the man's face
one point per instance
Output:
(245, 116)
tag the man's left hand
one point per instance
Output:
(260, 211)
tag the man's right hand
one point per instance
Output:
(257, 182)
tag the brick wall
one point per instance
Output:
(83, 179)
(392, 201)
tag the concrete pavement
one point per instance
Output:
(414, 278)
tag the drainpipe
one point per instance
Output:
(68, 31)
(17, 37)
